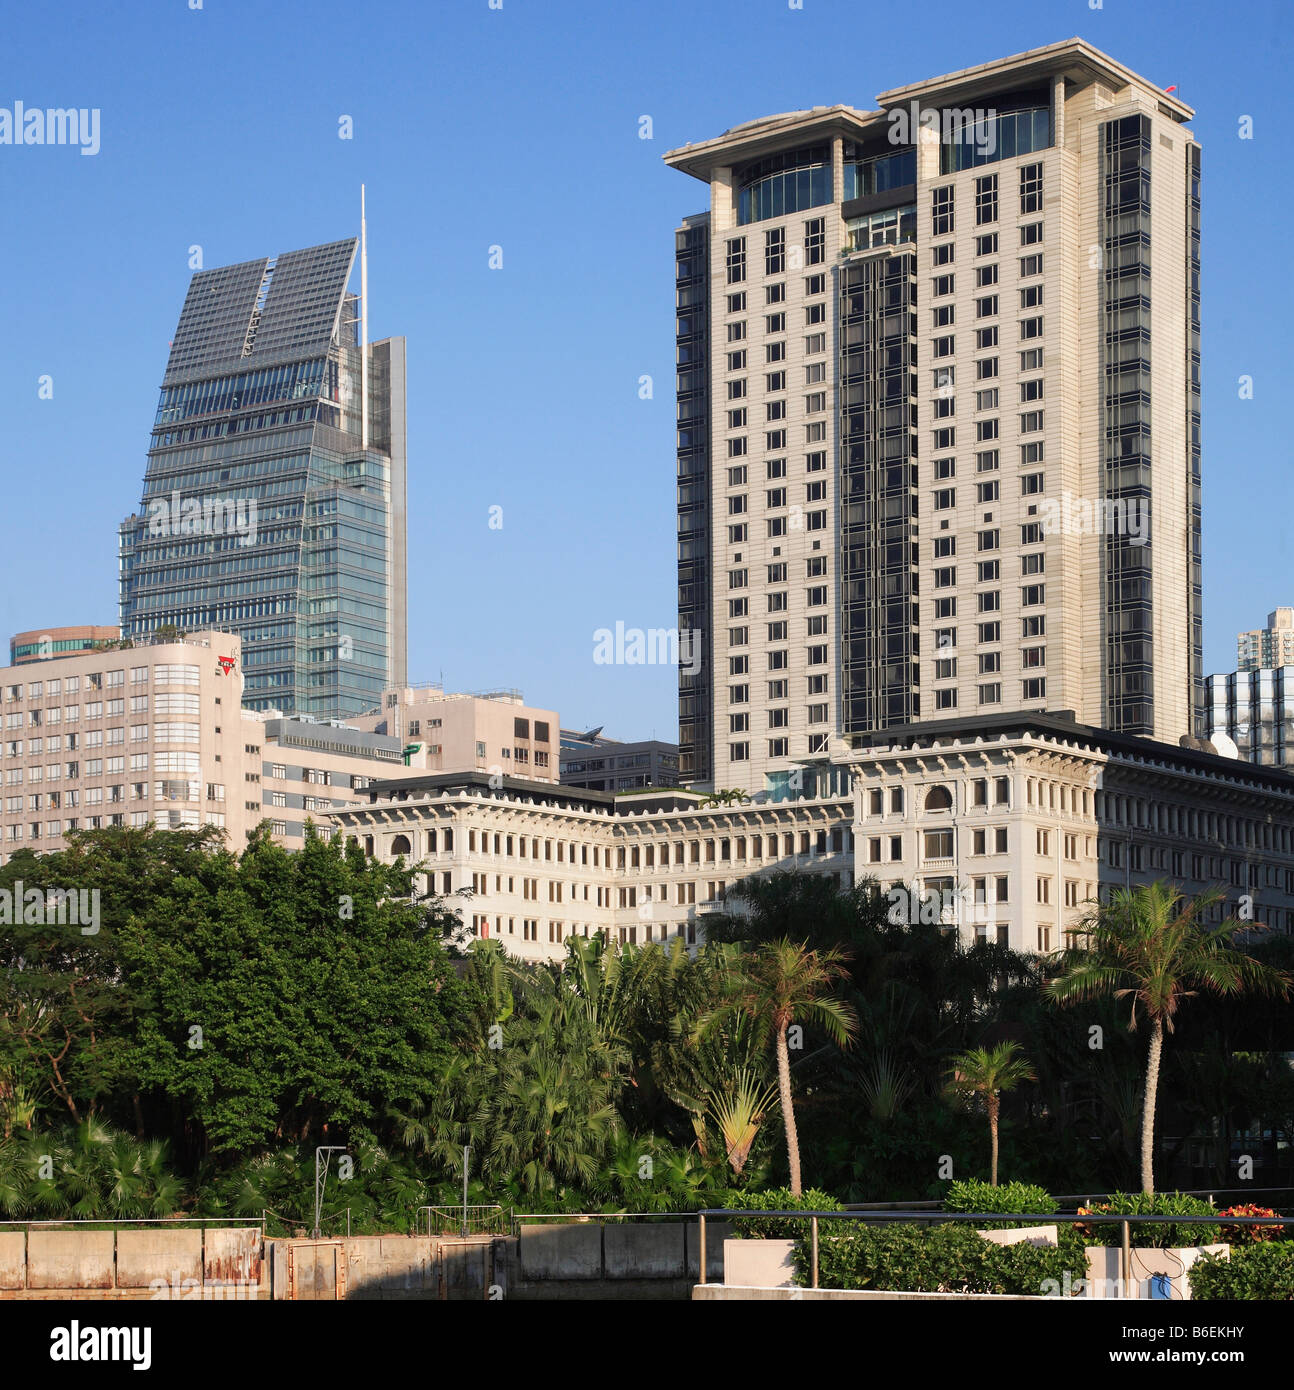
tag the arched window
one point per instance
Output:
(939, 799)
(400, 845)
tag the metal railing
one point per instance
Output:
(466, 1221)
(1125, 1224)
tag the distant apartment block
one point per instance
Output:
(603, 764)
(1266, 647)
(931, 410)
(274, 497)
(43, 643)
(491, 731)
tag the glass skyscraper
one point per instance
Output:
(265, 511)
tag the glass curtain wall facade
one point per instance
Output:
(1128, 595)
(880, 670)
(262, 511)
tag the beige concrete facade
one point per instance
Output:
(1011, 312)
(1005, 833)
(495, 732)
(123, 738)
(142, 734)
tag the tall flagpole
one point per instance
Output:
(363, 319)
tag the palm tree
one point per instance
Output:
(988, 1072)
(1150, 945)
(778, 983)
(738, 1111)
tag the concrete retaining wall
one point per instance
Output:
(140, 1262)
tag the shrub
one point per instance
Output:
(1263, 1271)
(931, 1259)
(1250, 1235)
(1156, 1235)
(974, 1195)
(778, 1199)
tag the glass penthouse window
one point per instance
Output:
(785, 182)
(1014, 124)
(878, 172)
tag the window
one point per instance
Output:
(986, 337)
(943, 255)
(815, 241)
(1030, 328)
(986, 307)
(737, 389)
(990, 693)
(942, 347)
(937, 844)
(815, 343)
(1030, 188)
(1034, 688)
(986, 492)
(737, 302)
(942, 284)
(775, 468)
(986, 368)
(1030, 296)
(989, 632)
(775, 251)
(989, 602)
(1033, 595)
(1032, 564)
(815, 313)
(986, 245)
(1031, 484)
(1031, 235)
(985, 275)
(1031, 265)
(774, 323)
(986, 199)
(941, 211)
(736, 260)
(737, 331)
(945, 468)
(988, 572)
(774, 352)
(775, 381)
(1031, 390)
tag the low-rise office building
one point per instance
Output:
(487, 731)
(603, 764)
(1254, 709)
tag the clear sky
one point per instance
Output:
(519, 127)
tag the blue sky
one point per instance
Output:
(519, 127)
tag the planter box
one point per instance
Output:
(758, 1264)
(1044, 1236)
(1156, 1274)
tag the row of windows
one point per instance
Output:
(942, 200)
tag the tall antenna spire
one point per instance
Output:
(363, 320)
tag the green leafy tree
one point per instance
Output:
(1150, 947)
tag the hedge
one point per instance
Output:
(778, 1199)
(1263, 1271)
(931, 1259)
